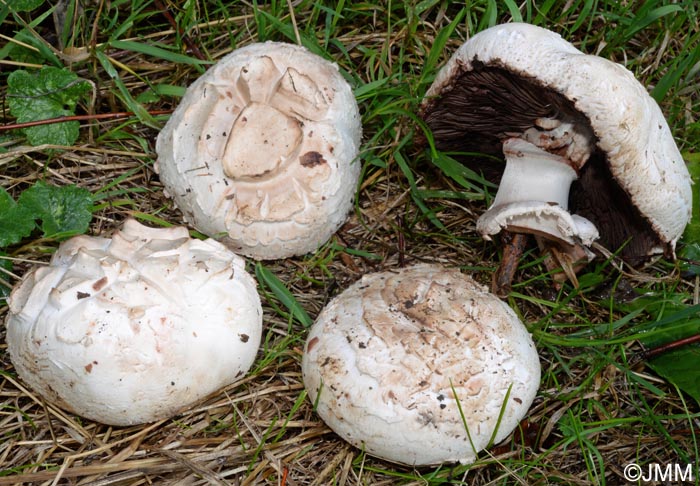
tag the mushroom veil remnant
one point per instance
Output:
(134, 328)
(418, 366)
(589, 155)
(260, 153)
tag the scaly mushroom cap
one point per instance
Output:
(521, 79)
(134, 328)
(388, 359)
(260, 151)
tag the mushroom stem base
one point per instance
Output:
(564, 261)
(513, 247)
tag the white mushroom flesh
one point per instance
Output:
(533, 197)
(261, 151)
(134, 328)
(390, 361)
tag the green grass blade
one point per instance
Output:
(675, 73)
(437, 51)
(157, 52)
(650, 17)
(269, 280)
(131, 104)
(501, 412)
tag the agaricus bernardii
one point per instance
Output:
(261, 151)
(420, 366)
(589, 155)
(136, 327)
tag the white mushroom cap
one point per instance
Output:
(390, 357)
(134, 328)
(261, 151)
(626, 125)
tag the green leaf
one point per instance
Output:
(678, 365)
(690, 256)
(25, 5)
(15, 221)
(50, 93)
(63, 211)
(692, 231)
(19, 53)
(64, 133)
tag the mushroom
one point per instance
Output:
(134, 328)
(589, 155)
(260, 153)
(420, 366)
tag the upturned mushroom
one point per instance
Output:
(589, 155)
(420, 366)
(260, 153)
(134, 328)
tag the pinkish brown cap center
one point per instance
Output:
(261, 140)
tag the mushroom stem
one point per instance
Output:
(533, 174)
(533, 197)
(513, 248)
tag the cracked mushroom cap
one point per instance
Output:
(519, 78)
(260, 153)
(388, 359)
(134, 328)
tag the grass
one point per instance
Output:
(599, 406)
